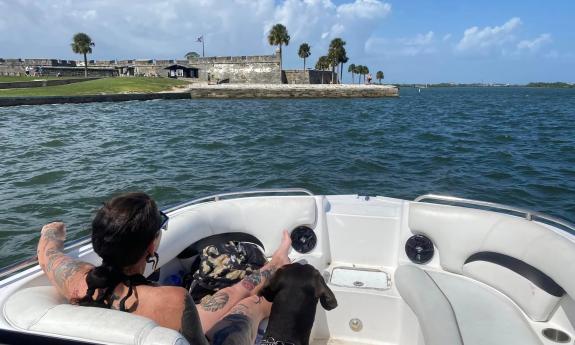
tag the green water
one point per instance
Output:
(508, 145)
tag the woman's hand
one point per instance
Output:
(54, 231)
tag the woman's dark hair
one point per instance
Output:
(121, 231)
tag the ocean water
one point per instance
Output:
(508, 145)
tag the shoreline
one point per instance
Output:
(222, 91)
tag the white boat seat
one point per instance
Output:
(531, 264)
(42, 310)
(263, 218)
(453, 309)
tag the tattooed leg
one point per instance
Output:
(215, 302)
(255, 281)
(240, 326)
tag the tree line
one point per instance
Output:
(335, 58)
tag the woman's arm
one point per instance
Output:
(66, 273)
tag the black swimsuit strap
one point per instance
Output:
(131, 281)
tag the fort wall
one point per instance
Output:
(306, 77)
(258, 69)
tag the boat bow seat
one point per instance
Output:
(263, 218)
(502, 273)
(457, 310)
(42, 310)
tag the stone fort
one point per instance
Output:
(259, 69)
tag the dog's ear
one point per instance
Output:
(271, 287)
(326, 296)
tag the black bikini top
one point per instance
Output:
(130, 282)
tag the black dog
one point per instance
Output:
(294, 290)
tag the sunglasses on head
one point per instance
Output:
(165, 219)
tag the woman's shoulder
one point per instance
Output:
(163, 304)
(163, 294)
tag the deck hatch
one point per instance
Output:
(360, 278)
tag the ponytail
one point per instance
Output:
(105, 277)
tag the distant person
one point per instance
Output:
(126, 233)
(27, 71)
(59, 75)
(369, 78)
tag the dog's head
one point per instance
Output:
(298, 276)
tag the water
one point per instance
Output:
(513, 146)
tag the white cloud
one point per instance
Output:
(365, 9)
(484, 41)
(408, 46)
(167, 29)
(534, 44)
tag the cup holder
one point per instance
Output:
(556, 335)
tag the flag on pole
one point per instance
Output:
(200, 39)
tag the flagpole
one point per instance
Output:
(203, 52)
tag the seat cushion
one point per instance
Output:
(433, 310)
(536, 302)
(42, 310)
(483, 315)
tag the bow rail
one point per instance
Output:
(525, 213)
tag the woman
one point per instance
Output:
(126, 233)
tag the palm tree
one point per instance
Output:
(363, 72)
(304, 52)
(333, 62)
(342, 61)
(359, 72)
(379, 76)
(322, 64)
(278, 36)
(82, 44)
(337, 50)
(337, 53)
(191, 55)
(351, 69)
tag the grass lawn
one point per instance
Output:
(100, 86)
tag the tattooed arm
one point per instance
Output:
(66, 274)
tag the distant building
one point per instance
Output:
(182, 71)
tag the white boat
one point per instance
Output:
(404, 272)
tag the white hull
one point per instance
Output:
(453, 297)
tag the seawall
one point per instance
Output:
(293, 91)
(13, 101)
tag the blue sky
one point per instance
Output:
(410, 40)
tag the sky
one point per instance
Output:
(411, 41)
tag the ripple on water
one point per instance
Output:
(490, 144)
(54, 143)
(43, 179)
